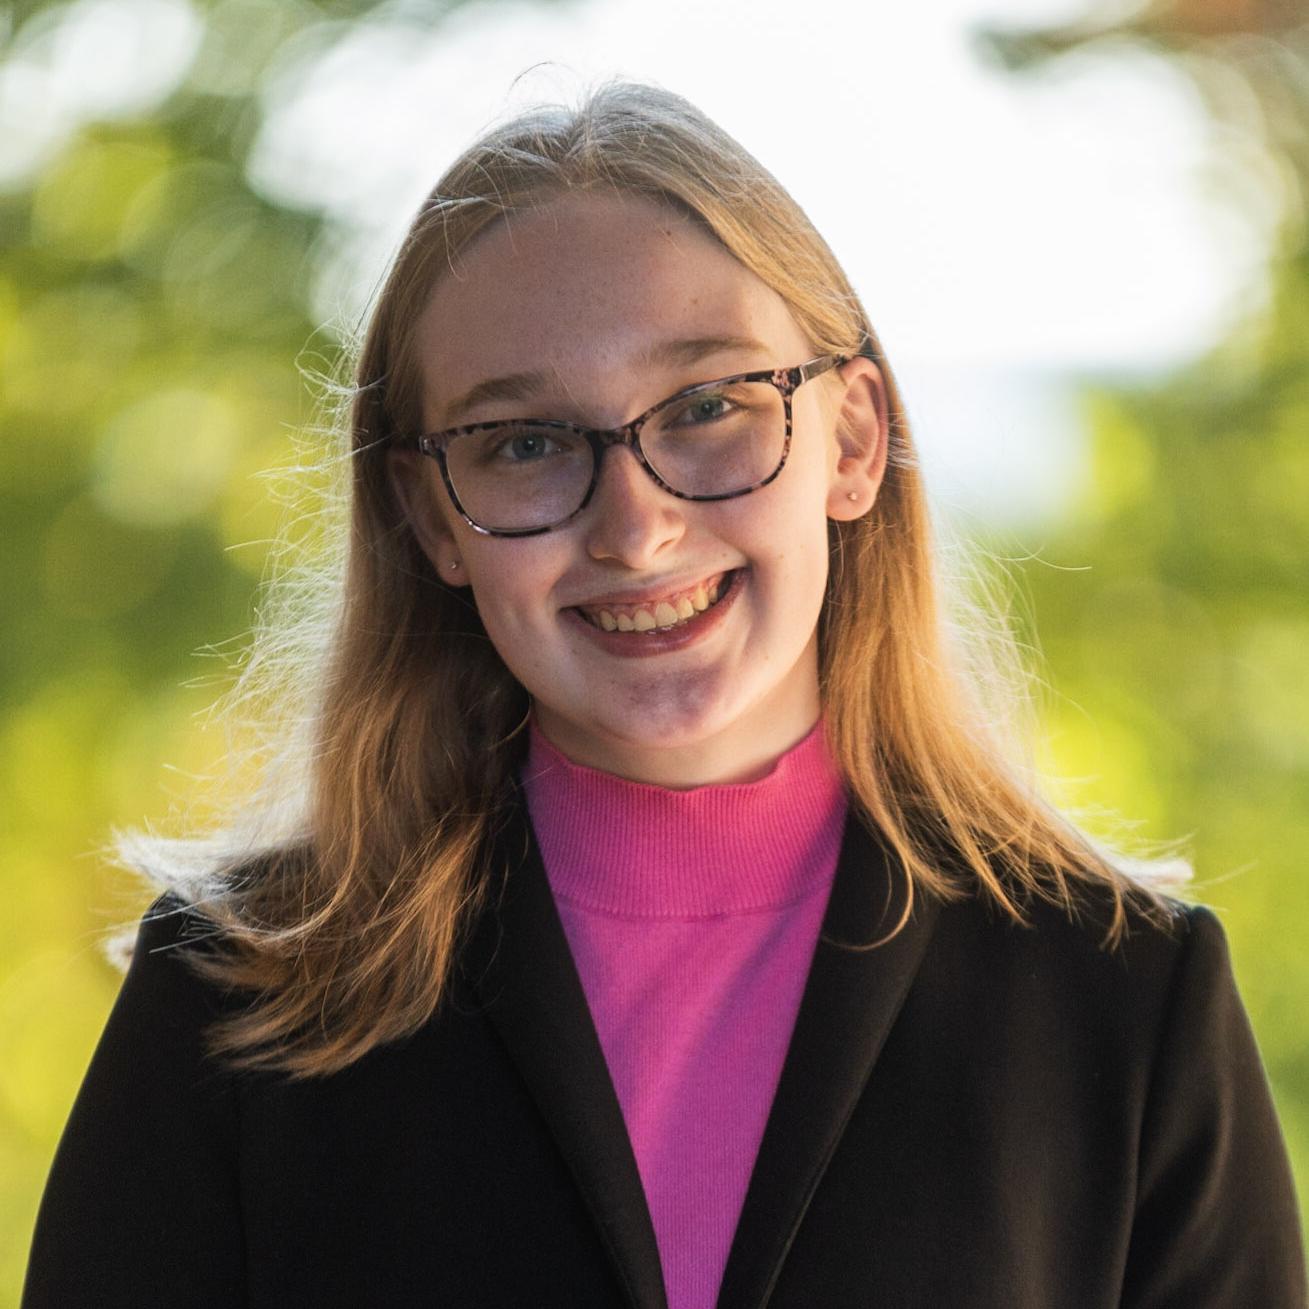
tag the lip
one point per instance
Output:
(641, 645)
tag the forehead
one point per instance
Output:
(582, 287)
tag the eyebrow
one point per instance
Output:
(678, 352)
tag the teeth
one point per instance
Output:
(665, 614)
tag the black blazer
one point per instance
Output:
(975, 1115)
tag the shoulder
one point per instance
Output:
(166, 993)
(1157, 933)
(1146, 1040)
(167, 923)
(1060, 971)
(142, 1199)
(1139, 1054)
(169, 927)
(1162, 943)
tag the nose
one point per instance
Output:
(631, 519)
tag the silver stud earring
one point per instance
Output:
(852, 495)
(454, 564)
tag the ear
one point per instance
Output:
(414, 482)
(860, 440)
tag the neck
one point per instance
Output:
(679, 768)
(744, 752)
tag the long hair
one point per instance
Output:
(340, 897)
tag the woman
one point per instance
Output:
(660, 922)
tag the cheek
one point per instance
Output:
(790, 541)
(501, 603)
(797, 570)
(512, 589)
(512, 637)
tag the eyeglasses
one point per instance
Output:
(714, 441)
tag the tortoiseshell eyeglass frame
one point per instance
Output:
(786, 380)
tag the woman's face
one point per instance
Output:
(586, 295)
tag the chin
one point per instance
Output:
(673, 729)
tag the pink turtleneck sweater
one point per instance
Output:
(692, 917)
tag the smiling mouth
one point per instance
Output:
(663, 615)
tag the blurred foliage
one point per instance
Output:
(153, 314)
(1171, 602)
(1174, 619)
(152, 310)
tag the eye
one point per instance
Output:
(706, 408)
(526, 445)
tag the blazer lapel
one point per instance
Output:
(849, 1004)
(522, 967)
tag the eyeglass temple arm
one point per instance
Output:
(820, 365)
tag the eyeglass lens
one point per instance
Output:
(716, 440)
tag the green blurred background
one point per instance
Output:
(155, 319)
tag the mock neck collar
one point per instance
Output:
(633, 849)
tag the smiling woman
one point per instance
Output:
(676, 508)
(647, 929)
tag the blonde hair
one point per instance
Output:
(340, 902)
